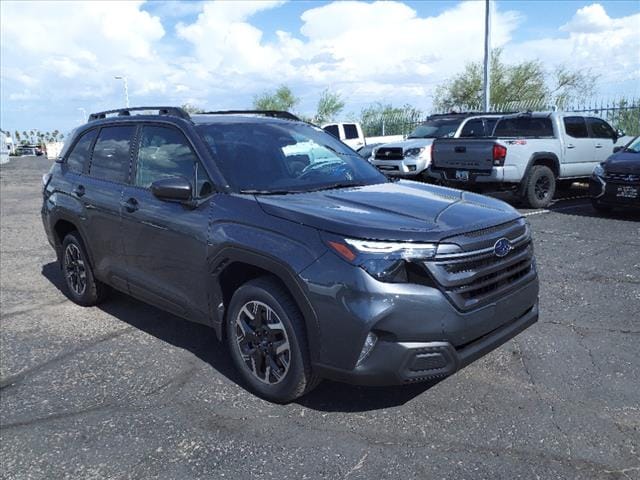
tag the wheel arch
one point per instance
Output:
(548, 159)
(233, 266)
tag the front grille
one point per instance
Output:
(475, 278)
(623, 177)
(389, 153)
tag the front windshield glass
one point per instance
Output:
(283, 157)
(436, 129)
(634, 146)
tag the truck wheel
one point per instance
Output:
(82, 286)
(600, 208)
(267, 339)
(540, 187)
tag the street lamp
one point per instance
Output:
(84, 114)
(126, 89)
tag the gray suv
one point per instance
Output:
(305, 259)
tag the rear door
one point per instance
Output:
(101, 192)
(578, 148)
(604, 139)
(164, 241)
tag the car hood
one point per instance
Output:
(403, 210)
(410, 143)
(623, 162)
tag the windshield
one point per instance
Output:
(436, 129)
(634, 146)
(284, 157)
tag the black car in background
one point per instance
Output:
(616, 181)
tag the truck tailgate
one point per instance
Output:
(467, 153)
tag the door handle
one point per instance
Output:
(130, 205)
(598, 145)
(571, 146)
(460, 149)
(79, 190)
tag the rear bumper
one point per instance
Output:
(395, 363)
(506, 174)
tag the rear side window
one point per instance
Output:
(576, 127)
(473, 128)
(333, 130)
(350, 131)
(600, 128)
(524, 127)
(110, 160)
(165, 152)
(80, 153)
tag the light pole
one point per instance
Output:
(126, 89)
(84, 114)
(486, 97)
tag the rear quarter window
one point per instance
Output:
(524, 127)
(81, 151)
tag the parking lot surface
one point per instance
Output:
(127, 391)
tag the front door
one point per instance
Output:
(165, 242)
(604, 138)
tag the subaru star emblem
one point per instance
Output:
(502, 247)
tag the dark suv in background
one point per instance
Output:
(308, 261)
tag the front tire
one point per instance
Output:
(267, 339)
(540, 187)
(598, 207)
(82, 286)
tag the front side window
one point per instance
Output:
(333, 130)
(81, 151)
(600, 128)
(576, 127)
(111, 157)
(283, 157)
(165, 152)
(350, 131)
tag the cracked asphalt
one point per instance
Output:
(128, 391)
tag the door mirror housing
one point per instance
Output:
(177, 189)
(619, 133)
(618, 149)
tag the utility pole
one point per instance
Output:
(486, 96)
(84, 114)
(126, 89)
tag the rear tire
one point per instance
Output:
(266, 336)
(82, 286)
(540, 187)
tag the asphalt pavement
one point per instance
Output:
(127, 391)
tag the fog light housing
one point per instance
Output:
(412, 168)
(369, 343)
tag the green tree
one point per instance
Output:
(519, 86)
(329, 106)
(282, 99)
(385, 119)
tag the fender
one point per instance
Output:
(54, 216)
(229, 254)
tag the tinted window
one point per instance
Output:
(165, 152)
(490, 124)
(600, 128)
(350, 131)
(110, 160)
(284, 157)
(576, 127)
(473, 128)
(80, 152)
(436, 128)
(524, 127)
(333, 130)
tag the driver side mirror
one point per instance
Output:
(177, 189)
(619, 134)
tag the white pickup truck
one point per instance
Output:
(351, 133)
(411, 156)
(528, 152)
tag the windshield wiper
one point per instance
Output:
(332, 186)
(267, 192)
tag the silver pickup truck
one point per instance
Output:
(528, 152)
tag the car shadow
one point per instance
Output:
(202, 342)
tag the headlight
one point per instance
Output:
(413, 152)
(599, 170)
(385, 261)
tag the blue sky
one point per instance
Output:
(221, 54)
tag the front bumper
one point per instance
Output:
(407, 167)
(610, 193)
(421, 334)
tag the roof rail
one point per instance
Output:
(126, 112)
(266, 113)
(470, 113)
